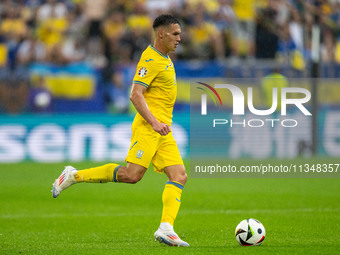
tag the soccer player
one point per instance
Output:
(153, 94)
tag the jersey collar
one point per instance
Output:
(160, 53)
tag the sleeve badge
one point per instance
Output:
(142, 71)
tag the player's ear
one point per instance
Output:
(160, 33)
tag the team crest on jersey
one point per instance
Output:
(142, 71)
(139, 154)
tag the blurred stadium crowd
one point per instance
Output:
(108, 35)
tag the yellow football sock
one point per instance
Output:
(171, 201)
(101, 174)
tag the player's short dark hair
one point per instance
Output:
(164, 20)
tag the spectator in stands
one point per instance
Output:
(335, 21)
(31, 50)
(283, 12)
(50, 8)
(73, 47)
(225, 18)
(155, 7)
(296, 28)
(138, 35)
(286, 43)
(205, 39)
(95, 12)
(13, 29)
(77, 26)
(243, 28)
(95, 55)
(51, 31)
(114, 29)
(330, 16)
(29, 13)
(13, 26)
(267, 31)
(73, 50)
(287, 50)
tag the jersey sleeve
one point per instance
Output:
(146, 72)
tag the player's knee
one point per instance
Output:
(181, 177)
(177, 174)
(134, 173)
(133, 179)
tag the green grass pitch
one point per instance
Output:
(301, 216)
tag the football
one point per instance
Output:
(250, 232)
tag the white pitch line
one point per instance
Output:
(291, 210)
(183, 212)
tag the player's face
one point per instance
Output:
(172, 37)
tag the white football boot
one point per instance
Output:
(65, 180)
(168, 236)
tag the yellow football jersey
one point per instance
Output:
(156, 72)
(244, 9)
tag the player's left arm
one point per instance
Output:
(138, 100)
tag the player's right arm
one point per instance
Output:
(138, 100)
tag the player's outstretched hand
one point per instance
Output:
(161, 128)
